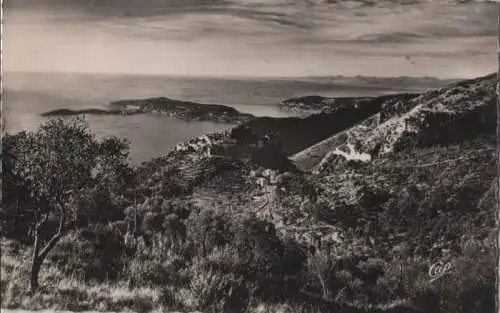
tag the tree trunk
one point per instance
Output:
(35, 270)
(39, 256)
(35, 264)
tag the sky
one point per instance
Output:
(261, 38)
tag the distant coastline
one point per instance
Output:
(316, 102)
(184, 110)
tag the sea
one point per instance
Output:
(26, 95)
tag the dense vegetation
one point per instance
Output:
(224, 223)
(161, 249)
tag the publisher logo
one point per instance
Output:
(438, 270)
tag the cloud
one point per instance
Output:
(252, 37)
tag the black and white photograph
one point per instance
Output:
(250, 156)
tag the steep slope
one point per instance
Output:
(296, 134)
(429, 196)
(389, 106)
(225, 167)
(427, 159)
(420, 204)
(447, 115)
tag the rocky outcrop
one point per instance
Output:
(383, 107)
(444, 116)
(296, 134)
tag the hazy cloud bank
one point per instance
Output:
(252, 37)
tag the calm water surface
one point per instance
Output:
(26, 95)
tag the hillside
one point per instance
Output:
(296, 134)
(312, 155)
(317, 104)
(431, 199)
(434, 117)
(228, 222)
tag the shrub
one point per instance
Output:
(169, 298)
(293, 261)
(258, 244)
(217, 291)
(145, 272)
(98, 206)
(208, 229)
(94, 253)
(158, 263)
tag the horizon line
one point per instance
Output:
(256, 77)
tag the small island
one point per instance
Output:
(91, 111)
(184, 110)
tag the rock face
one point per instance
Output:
(444, 116)
(297, 134)
(308, 158)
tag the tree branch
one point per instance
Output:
(51, 244)
(41, 222)
(53, 241)
(62, 218)
(37, 216)
(36, 248)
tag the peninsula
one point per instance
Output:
(184, 110)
